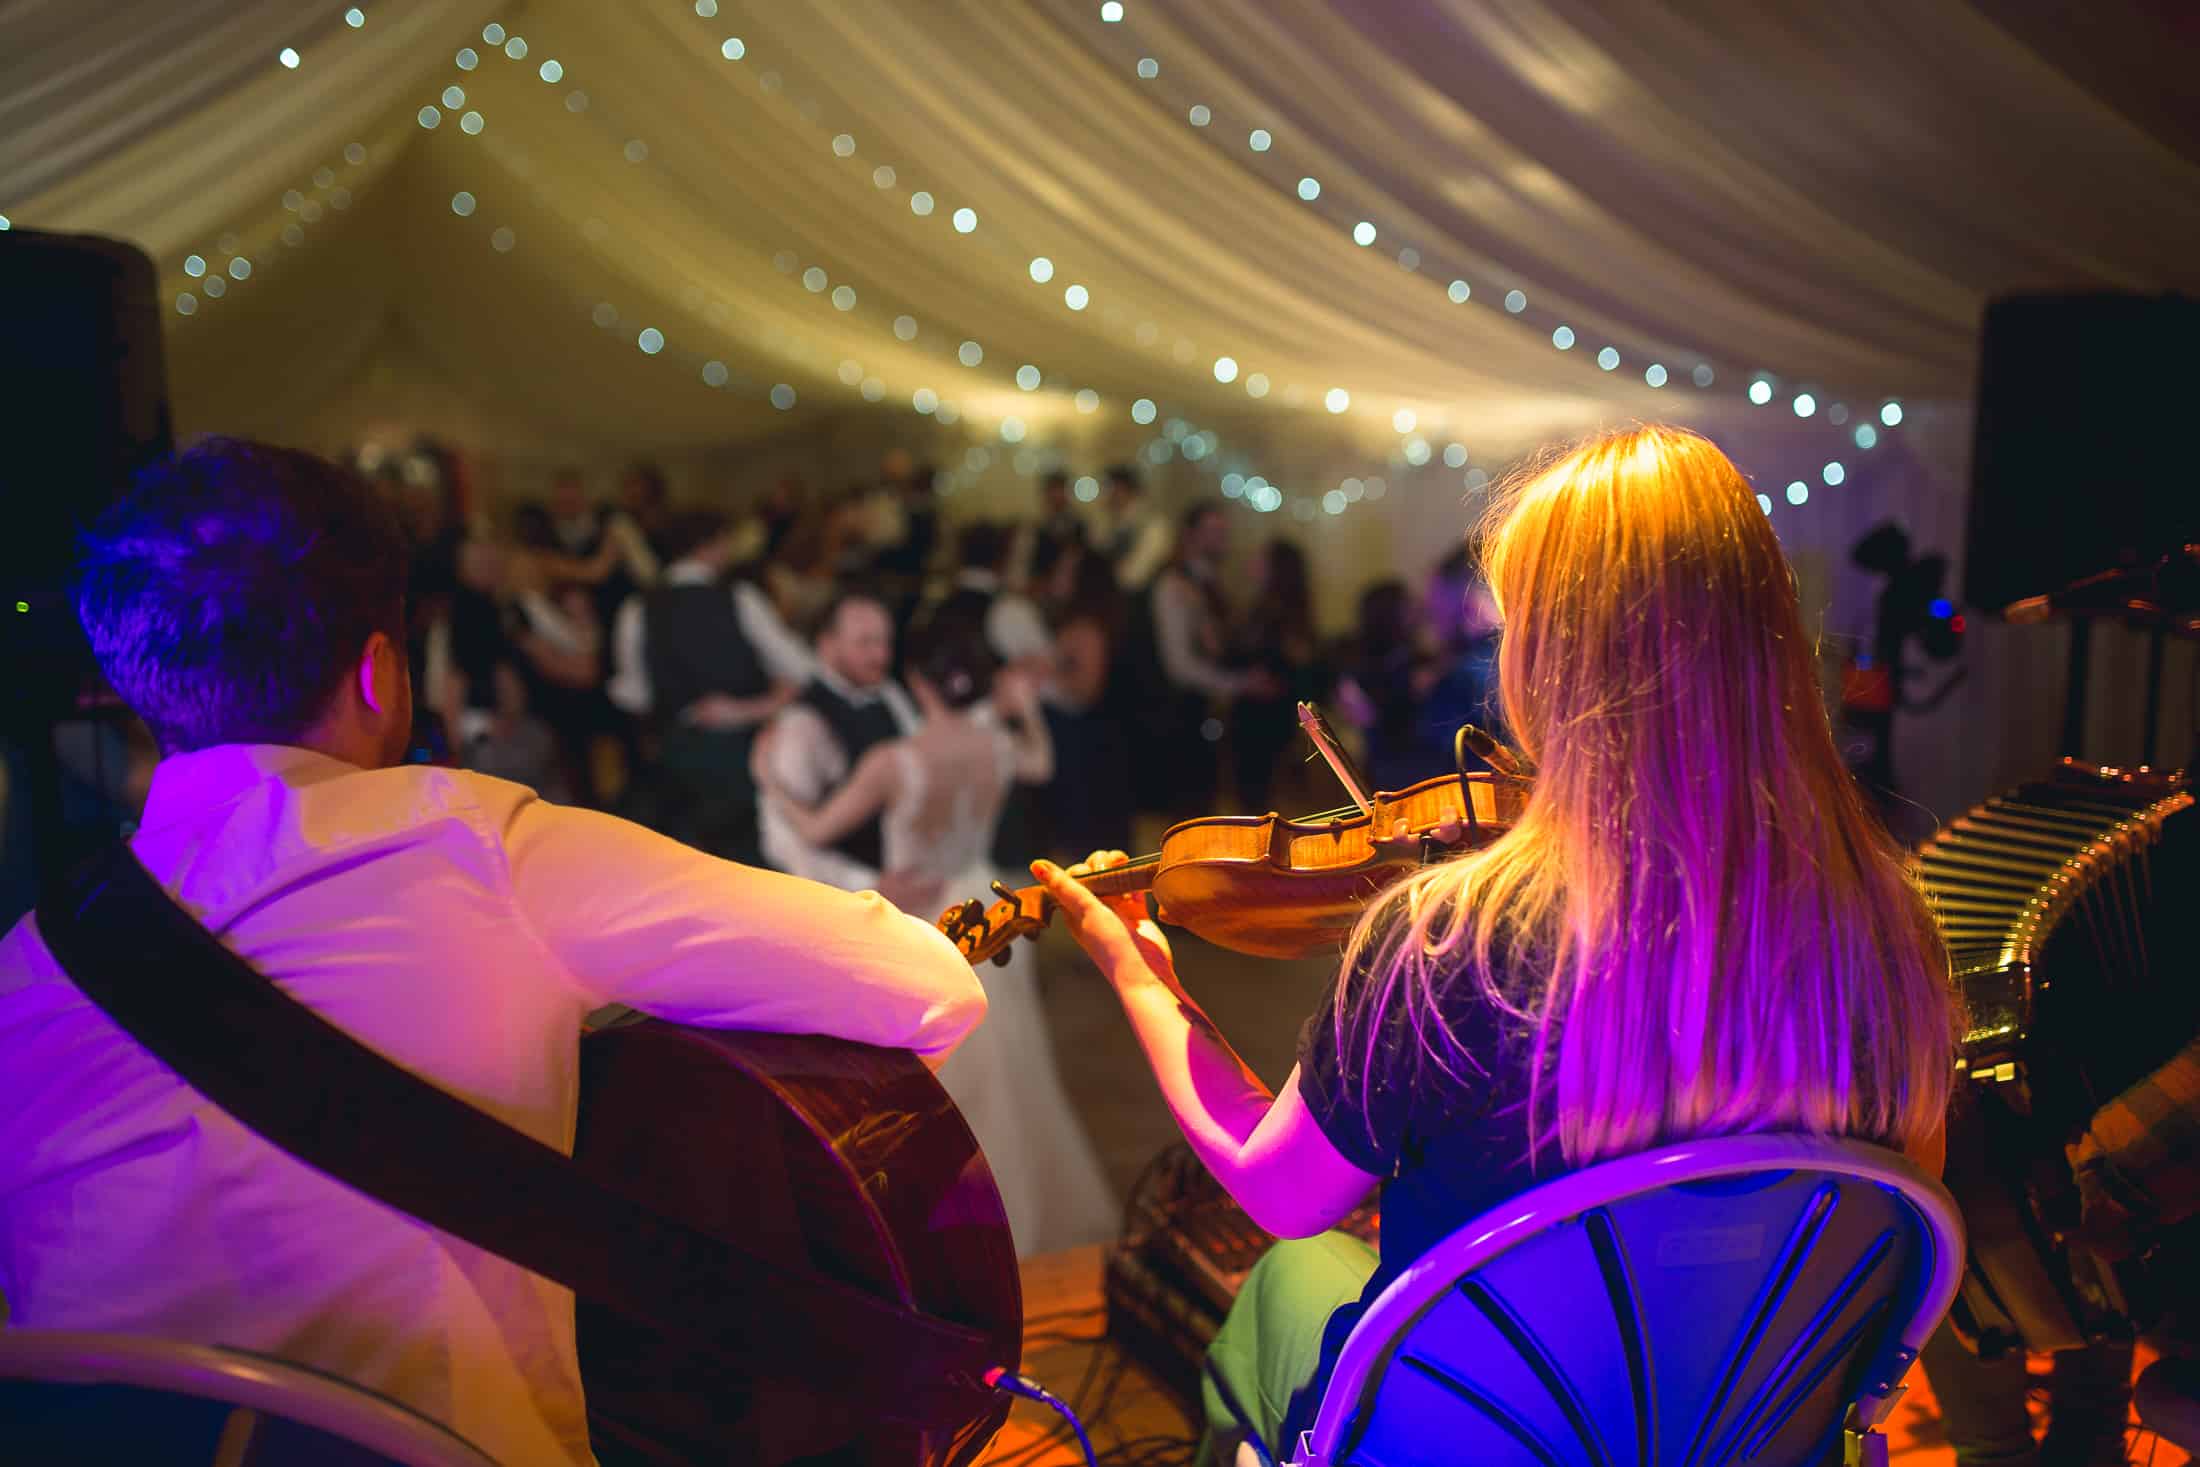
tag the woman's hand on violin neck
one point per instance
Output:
(1115, 932)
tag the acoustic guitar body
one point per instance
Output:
(834, 1157)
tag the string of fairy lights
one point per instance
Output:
(213, 275)
(211, 279)
(1177, 437)
(1763, 386)
(213, 270)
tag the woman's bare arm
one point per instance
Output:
(1266, 1150)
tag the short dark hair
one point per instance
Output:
(1198, 513)
(229, 593)
(532, 527)
(1054, 478)
(691, 529)
(1125, 476)
(651, 478)
(842, 598)
(1094, 592)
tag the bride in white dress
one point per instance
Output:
(938, 795)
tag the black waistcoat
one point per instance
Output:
(693, 645)
(856, 728)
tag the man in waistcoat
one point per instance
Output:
(706, 662)
(1040, 544)
(1012, 623)
(847, 708)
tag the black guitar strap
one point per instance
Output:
(298, 1081)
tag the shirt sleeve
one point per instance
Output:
(1176, 613)
(1023, 549)
(628, 686)
(888, 520)
(1016, 630)
(782, 652)
(634, 552)
(551, 624)
(803, 758)
(635, 918)
(898, 703)
(1149, 551)
(1369, 1082)
(1363, 1117)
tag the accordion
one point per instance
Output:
(2065, 906)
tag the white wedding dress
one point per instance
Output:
(953, 782)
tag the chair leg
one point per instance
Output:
(1864, 1448)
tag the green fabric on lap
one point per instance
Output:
(1270, 1346)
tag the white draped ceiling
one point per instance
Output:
(768, 194)
(1823, 193)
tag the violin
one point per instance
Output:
(1278, 888)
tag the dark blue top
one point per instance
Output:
(1449, 1144)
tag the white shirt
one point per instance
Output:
(1181, 618)
(580, 533)
(1014, 628)
(544, 619)
(575, 534)
(805, 759)
(885, 518)
(785, 658)
(1152, 540)
(462, 927)
(548, 622)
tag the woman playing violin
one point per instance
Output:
(1693, 929)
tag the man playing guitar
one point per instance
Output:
(247, 602)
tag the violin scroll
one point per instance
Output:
(983, 933)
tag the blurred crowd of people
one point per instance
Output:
(721, 673)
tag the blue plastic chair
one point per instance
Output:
(77, 1397)
(1752, 1299)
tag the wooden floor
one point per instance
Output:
(1065, 1351)
(1131, 1418)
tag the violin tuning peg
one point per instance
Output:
(963, 918)
(1001, 890)
(1001, 958)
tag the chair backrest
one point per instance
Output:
(70, 1397)
(1715, 1303)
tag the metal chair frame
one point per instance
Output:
(241, 1379)
(1392, 1318)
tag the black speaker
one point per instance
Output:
(83, 405)
(2077, 466)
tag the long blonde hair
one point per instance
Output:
(1703, 928)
